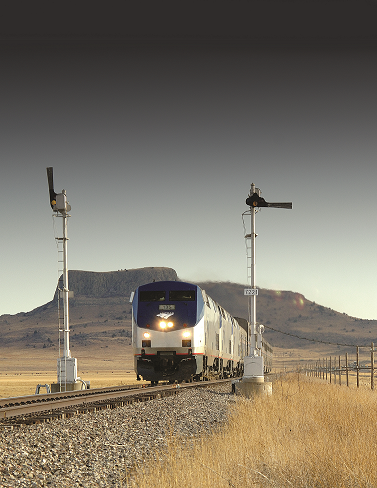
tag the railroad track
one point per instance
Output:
(32, 409)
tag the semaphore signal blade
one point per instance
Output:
(280, 205)
(256, 200)
(50, 179)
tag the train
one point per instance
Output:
(179, 333)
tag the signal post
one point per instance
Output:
(252, 382)
(66, 365)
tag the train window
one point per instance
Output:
(152, 296)
(217, 342)
(181, 295)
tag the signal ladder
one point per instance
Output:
(60, 244)
(249, 250)
(249, 258)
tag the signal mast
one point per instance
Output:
(253, 363)
(66, 365)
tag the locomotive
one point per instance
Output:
(179, 333)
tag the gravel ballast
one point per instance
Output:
(98, 449)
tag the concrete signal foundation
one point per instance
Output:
(252, 387)
(252, 382)
(59, 387)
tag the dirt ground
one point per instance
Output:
(21, 383)
(22, 371)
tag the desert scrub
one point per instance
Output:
(307, 434)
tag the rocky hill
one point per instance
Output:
(100, 316)
(303, 324)
(100, 311)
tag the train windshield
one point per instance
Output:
(181, 295)
(152, 296)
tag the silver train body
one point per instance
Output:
(179, 333)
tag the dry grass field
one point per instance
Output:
(308, 434)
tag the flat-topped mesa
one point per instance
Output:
(96, 284)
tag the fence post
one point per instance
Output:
(372, 366)
(330, 369)
(347, 368)
(340, 373)
(357, 367)
(326, 369)
(335, 370)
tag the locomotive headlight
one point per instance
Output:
(163, 325)
(147, 335)
(170, 324)
(186, 334)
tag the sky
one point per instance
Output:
(157, 132)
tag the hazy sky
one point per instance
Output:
(157, 143)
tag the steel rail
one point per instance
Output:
(42, 397)
(58, 401)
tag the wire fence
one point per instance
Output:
(343, 370)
